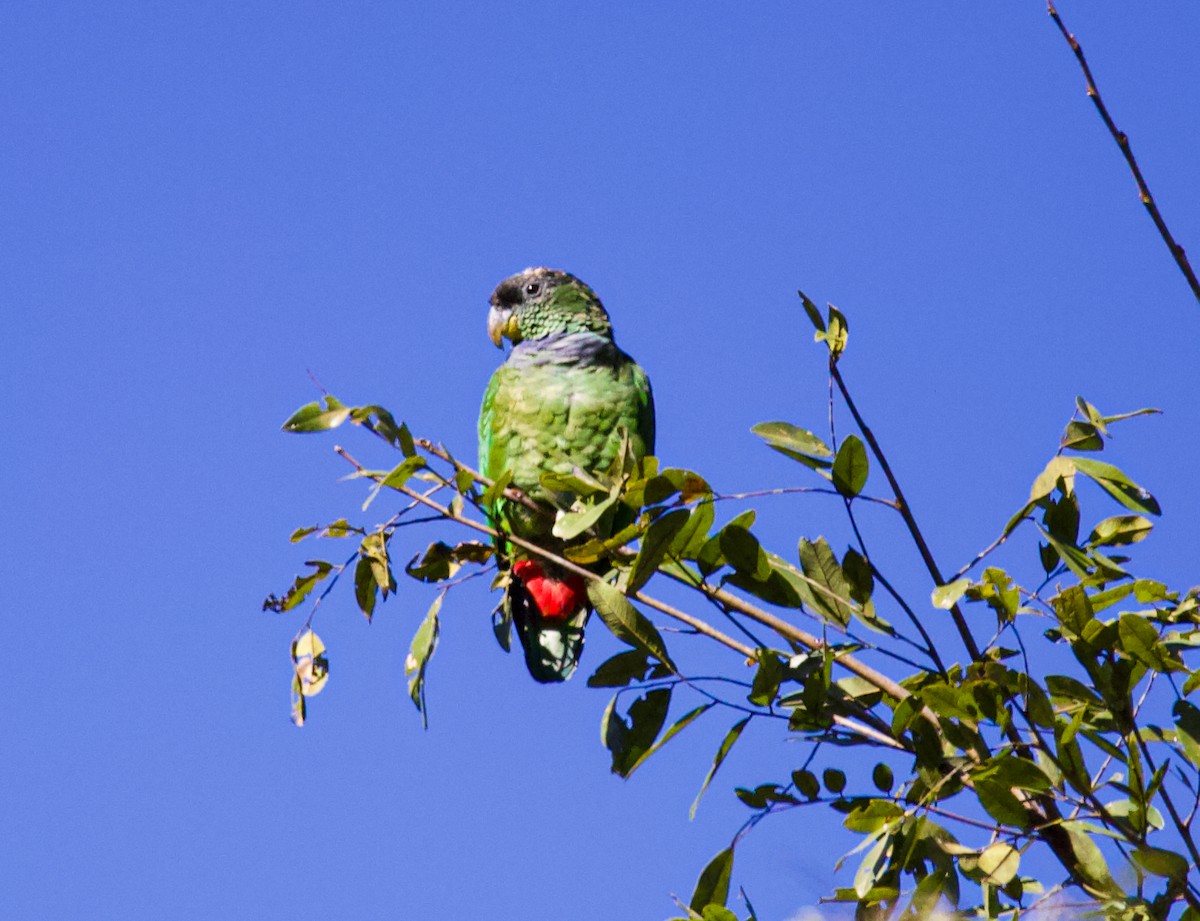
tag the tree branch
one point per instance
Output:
(1122, 140)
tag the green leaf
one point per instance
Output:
(946, 596)
(692, 535)
(1148, 591)
(806, 782)
(1120, 531)
(868, 816)
(1075, 559)
(820, 565)
(794, 442)
(424, 642)
(836, 334)
(436, 564)
(340, 528)
(365, 586)
(312, 417)
(1114, 481)
(1010, 770)
(1162, 863)
(882, 778)
(1081, 436)
(1059, 468)
(1091, 868)
(632, 742)
(712, 888)
(1137, 412)
(835, 780)
(493, 493)
(785, 586)
(1187, 729)
(1062, 518)
(675, 728)
(731, 737)
(873, 866)
(1090, 413)
(950, 701)
(771, 670)
(502, 626)
(385, 426)
(1074, 609)
(1069, 755)
(742, 551)
(814, 314)
(627, 623)
(850, 467)
(857, 570)
(689, 484)
(300, 588)
(1001, 804)
(998, 863)
(595, 549)
(1140, 641)
(1065, 689)
(619, 670)
(403, 439)
(658, 540)
(396, 478)
(569, 525)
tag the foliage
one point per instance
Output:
(978, 764)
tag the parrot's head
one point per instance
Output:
(543, 302)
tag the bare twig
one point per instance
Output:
(1122, 140)
(786, 490)
(960, 622)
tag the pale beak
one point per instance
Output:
(500, 322)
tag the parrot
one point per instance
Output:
(565, 399)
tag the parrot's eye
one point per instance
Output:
(533, 288)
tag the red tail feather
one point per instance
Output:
(556, 598)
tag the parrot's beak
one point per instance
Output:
(501, 322)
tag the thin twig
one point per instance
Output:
(931, 565)
(1122, 140)
(994, 545)
(786, 490)
(916, 621)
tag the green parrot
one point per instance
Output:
(565, 397)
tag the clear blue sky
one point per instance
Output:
(201, 202)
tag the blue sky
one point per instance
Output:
(201, 203)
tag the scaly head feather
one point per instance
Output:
(541, 302)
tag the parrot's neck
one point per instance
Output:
(584, 347)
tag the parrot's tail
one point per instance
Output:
(549, 609)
